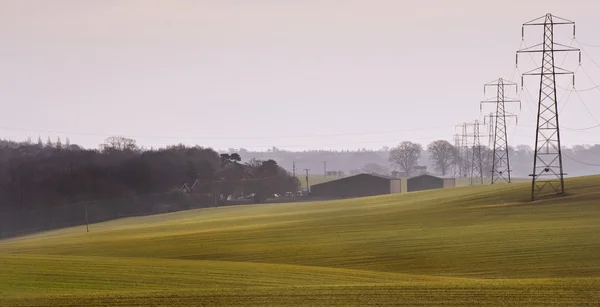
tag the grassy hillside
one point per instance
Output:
(482, 245)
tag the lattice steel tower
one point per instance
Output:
(548, 175)
(500, 160)
(491, 131)
(461, 142)
(457, 156)
(477, 159)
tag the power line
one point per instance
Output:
(580, 162)
(580, 90)
(350, 143)
(322, 147)
(589, 45)
(585, 52)
(226, 137)
(586, 107)
(581, 129)
(596, 86)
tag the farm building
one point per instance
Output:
(428, 182)
(361, 185)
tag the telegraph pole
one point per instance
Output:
(500, 160)
(307, 186)
(548, 174)
(87, 224)
(325, 170)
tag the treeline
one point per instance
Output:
(121, 179)
(578, 160)
(47, 185)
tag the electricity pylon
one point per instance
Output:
(490, 125)
(475, 168)
(462, 150)
(465, 149)
(457, 156)
(548, 175)
(500, 160)
(477, 161)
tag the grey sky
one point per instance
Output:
(241, 73)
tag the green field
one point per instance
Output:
(463, 182)
(477, 246)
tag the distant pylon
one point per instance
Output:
(490, 125)
(465, 148)
(472, 157)
(461, 142)
(548, 174)
(498, 136)
(477, 160)
(457, 156)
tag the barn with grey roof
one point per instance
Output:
(361, 185)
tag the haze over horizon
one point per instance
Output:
(327, 74)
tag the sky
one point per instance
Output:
(291, 74)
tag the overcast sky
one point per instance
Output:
(292, 74)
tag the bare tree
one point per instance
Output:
(406, 156)
(442, 154)
(119, 143)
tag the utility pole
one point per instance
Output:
(217, 191)
(500, 160)
(325, 170)
(548, 174)
(307, 186)
(87, 224)
(294, 168)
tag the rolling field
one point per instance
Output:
(481, 245)
(464, 182)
